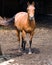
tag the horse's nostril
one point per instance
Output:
(31, 18)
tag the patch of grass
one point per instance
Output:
(5, 28)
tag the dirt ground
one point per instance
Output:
(41, 46)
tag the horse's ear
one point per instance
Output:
(33, 3)
(28, 3)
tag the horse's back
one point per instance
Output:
(20, 16)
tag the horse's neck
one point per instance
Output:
(31, 22)
(28, 18)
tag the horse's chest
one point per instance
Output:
(32, 25)
(29, 28)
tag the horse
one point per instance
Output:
(25, 23)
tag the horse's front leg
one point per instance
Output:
(23, 40)
(30, 42)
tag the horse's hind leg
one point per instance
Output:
(18, 35)
(23, 40)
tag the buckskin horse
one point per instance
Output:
(25, 23)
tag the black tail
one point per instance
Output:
(10, 22)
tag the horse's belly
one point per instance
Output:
(19, 27)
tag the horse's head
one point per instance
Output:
(31, 11)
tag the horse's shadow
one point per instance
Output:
(17, 54)
(34, 50)
(13, 55)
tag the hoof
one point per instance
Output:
(30, 53)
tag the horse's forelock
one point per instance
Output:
(30, 7)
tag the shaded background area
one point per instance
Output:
(8, 8)
(43, 16)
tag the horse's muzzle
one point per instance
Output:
(31, 18)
